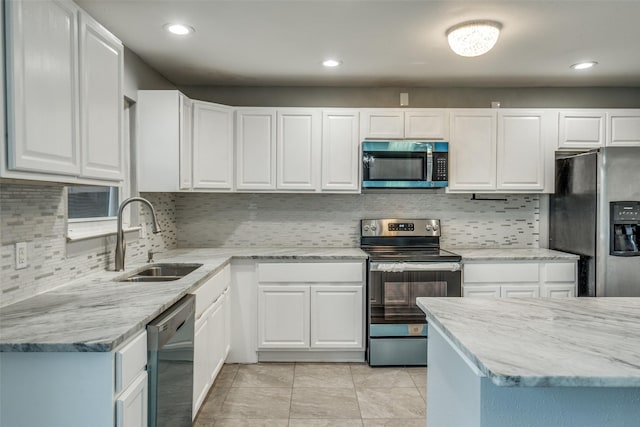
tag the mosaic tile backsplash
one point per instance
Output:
(213, 220)
(36, 214)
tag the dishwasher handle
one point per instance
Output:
(162, 328)
(399, 267)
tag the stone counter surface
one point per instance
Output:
(508, 254)
(544, 342)
(96, 313)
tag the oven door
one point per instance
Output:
(394, 287)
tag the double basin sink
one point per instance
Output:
(165, 272)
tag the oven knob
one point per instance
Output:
(366, 228)
(428, 228)
(435, 228)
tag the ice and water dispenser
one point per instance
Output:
(624, 229)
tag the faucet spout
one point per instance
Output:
(120, 243)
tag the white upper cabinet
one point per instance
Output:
(422, 123)
(426, 124)
(623, 128)
(64, 95)
(42, 86)
(581, 129)
(185, 125)
(340, 151)
(522, 138)
(506, 151)
(472, 150)
(298, 149)
(161, 120)
(101, 101)
(381, 124)
(183, 144)
(256, 148)
(212, 146)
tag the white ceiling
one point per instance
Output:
(381, 42)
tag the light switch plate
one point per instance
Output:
(21, 255)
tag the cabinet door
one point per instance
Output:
(340, 151)
(624, 128)
(381, 124)
(522, 137)
(336, 316)
(216, 339)
(581, 129)
(472, 150)
(426, 124)
(256, 150)
(283, 316)
(101, 101)
(557, 290)
(201, 375)
(131, 405)
(486, 291)
(42, 86)
(212, 146)
(227, 322)
(529, 291)
(186, 143)
(298, 148)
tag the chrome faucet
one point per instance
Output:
(120, 243)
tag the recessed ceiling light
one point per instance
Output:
(331, 63)
(473, 38)
(179, 29)
(584, 65)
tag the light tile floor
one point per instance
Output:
(315, 395)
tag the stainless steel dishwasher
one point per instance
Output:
(170, 365)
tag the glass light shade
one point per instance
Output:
(473, 38)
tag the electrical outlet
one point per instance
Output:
(21, 255)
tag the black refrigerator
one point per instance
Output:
(595, 213)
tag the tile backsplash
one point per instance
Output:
(213, 220)
(36, 214)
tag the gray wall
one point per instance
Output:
(139, 75)
(425, 97)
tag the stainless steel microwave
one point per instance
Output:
(405, 164)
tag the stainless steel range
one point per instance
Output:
(405, 262)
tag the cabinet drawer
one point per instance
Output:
(486, 291)
(560, 272)
(211, 290)
(130, 359)
(324, 272)
(527, 291)
(501, 273)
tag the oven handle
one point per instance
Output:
(398, 267)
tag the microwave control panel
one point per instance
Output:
(440, 167)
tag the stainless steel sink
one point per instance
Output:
(161, 273)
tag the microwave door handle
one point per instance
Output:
(429, 162)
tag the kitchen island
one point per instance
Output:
(533, 362)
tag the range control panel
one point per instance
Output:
(400, 227)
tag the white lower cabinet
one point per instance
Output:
(283, 316)
(212, 333)
(76, 389)
(310, 306)
(132, 404)
(530, 279)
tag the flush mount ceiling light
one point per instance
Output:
(584, 65)
(473, 38)
(179, 29)
(331, 63)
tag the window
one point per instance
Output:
(92, 202)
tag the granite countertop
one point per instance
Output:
(544, 342)
(96, 313)
(508, 254)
